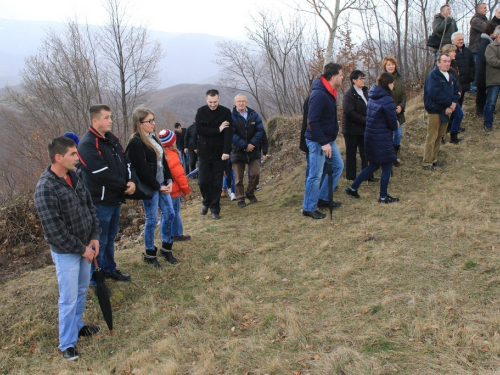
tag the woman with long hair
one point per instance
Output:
(148, 159)
(390, 65)
(381, 121)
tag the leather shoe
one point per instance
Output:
(118, 276)
(325, 204)
(89, 330)
(215, 216)
(252, 198)
(314, 214)
(204, 210)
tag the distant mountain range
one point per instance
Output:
(189, 58)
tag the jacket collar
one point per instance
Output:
(328, 87)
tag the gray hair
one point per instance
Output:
(456, 33)
(240, 95)
(497, 31)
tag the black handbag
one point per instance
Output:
(142, 190)
(434, 41)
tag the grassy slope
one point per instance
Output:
(409, 288)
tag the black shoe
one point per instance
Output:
(151, 259)
(488, 129)
(70, 354)
(314, 214)
(428, 168)
(204, 210)
(325, 204)
(437, 164)
(94, 288)
(89, 330)
(252, 198)
(167, 254)
(454, 138)
(388, 199)
(461, 130)
(375, 179)
(352, 193)
(241, 204)
(215, 216)
(118, 276)
(183, 237)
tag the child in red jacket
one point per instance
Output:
(180, 184)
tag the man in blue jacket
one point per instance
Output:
(109, 176)
(322, 130)
(441, 94)
(248, 131)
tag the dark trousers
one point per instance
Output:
(480, 99)
(193, 159)
(210, 174)
(353, 143)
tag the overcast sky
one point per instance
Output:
(217, 17)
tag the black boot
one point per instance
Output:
(166, 251)
(397, 162)
(454, 138)
(151, 258)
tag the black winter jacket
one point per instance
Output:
(466, 68)
(67, 214)
(190, 138)
(302, 143)
(143, 160)
(354, 112)
(246, 132)
(106, 169)
(481, 61)
(212, 143)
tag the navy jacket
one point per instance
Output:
(439, 93)
(105, 168)
(246, 132)
(381, 121)
(322, 123)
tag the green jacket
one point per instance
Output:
(398, 93)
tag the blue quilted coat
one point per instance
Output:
(381, 121)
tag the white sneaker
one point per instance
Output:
(233, 197)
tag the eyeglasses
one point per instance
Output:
(362, 78)
(150, 121)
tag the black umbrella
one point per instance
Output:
(329, 171)
(102, 294)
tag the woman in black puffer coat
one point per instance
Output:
(381, 121)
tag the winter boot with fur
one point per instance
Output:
(150, 257)
(166, 251)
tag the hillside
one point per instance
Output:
(407, 288)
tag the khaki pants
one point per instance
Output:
(435, 130)
(239, 176)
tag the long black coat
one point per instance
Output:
(466, 68)
(481, 61)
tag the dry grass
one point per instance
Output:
(408, 288)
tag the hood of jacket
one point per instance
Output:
(377, 92)
(486, 36)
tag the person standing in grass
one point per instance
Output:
(180, 184)
(381, 121)
(71, 228)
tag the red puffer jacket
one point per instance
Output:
(180, 184)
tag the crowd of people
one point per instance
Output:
(80, 195)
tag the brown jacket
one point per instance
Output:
(477, 24)
(492, 56)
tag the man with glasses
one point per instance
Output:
(109, 176)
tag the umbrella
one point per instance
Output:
(328, 170)
(192, 174)
(102, 295)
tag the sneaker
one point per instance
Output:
(232, 196)
(70, 354)
(183, 237)
(487, 129)
(119, 276)
(252, 198)
(241, 204)
(352, 193)
(388, 199)
(89, 330)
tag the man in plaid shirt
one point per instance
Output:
(71, 228)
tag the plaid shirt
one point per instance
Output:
(68, 216)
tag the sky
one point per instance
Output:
(216, 17)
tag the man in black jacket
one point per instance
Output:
(109, 176)
(465, 63)
(190, 141)
(180, 143)
(214, 127)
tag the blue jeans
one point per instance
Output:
(489, 108)
(317, 182)
(109, 218)
(73, 278)
(307, 168)
(397, 134)
(458, 115)
(164, 203)
(368, 171)
(177, 229)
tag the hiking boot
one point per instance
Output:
(150, 257)
(167, 254)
